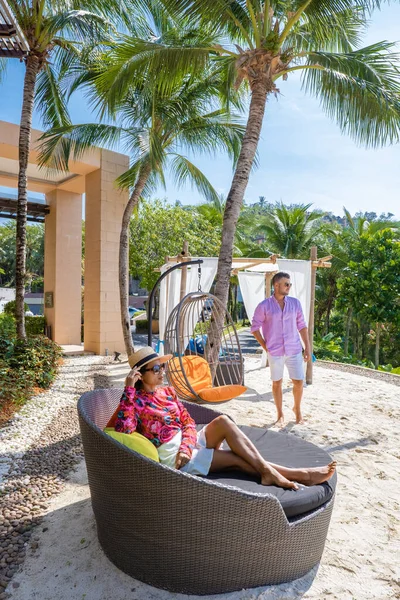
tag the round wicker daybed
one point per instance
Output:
(199, 535)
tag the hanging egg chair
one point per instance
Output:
(207, 364)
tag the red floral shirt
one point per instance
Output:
(157, 415)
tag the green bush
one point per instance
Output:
(7, 326)
(37, 358)
(9, 308)
(142, 325)
(35, 325)
(15, 384)
(328, 347)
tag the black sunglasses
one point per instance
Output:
(156, 369)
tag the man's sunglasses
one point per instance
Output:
(286, 284)
(156, 369)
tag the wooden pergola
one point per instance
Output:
(12, 41)
(36, 211)
(255, 264)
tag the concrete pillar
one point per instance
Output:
(62, 266)
(105, 205)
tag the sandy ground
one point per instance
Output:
(354, 418)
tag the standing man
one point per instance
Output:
(281, 320)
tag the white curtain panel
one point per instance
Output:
(171, 285)
(252, 287)
(300, 276)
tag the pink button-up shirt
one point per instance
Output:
(280, 328)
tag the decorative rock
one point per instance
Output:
(38, 448)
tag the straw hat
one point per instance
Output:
(146, 355)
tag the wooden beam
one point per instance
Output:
(184, 257)
(309, 369)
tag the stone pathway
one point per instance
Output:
(39, 447)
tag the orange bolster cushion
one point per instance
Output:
(222, 393)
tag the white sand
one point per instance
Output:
(355, 418)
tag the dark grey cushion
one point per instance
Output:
(290, 451)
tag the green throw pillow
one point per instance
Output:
(135, 441)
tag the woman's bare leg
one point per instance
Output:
(222, 428)
(245, 457)
(307, 476)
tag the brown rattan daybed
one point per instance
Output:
(201, 535)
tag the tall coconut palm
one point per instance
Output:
(256, 44)
(155, 128)
(53, 30)
(291, 230)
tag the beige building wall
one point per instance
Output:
(62, 265)
(105, 205)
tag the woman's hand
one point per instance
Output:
(132, 378)
(181, 460)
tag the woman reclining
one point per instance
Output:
(155, 412)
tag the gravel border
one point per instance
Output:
(358, 370)
(39, 448)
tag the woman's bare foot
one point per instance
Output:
(316, 475)
(272, 477)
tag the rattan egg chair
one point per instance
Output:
(207, 364)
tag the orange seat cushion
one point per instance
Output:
(198, 372)
(222, 393)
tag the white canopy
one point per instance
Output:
(252, 280)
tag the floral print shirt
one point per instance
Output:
(157, 415)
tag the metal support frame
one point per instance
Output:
(153, 291)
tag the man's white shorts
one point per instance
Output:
(294, 364)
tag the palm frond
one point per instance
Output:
(360, 90)
(50, 100)
(60, 144)
(185, 171)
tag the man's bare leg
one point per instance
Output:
(277, 394)
(298, 386)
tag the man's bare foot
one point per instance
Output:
(280, 422)
(316, 475)
(299, 417)
(272, 477)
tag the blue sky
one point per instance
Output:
(302, 155)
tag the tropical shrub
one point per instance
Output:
(38, 356)
(9, 308)
(7, 326)
(34, 325)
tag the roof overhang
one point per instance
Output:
(12, 40)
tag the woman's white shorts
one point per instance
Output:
(202, 456)
(294, 364)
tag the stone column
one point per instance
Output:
(105, 205)
(62, 266)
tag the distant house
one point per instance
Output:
(6, 295)
(33, 300)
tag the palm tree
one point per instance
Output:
(155, 128)
(259, 42)
(291, 230)
(53, 30)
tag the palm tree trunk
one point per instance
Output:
(32, 69)
(377, 344)
(347, 332)
(233, 205)
(124, 256)
(240, 180)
